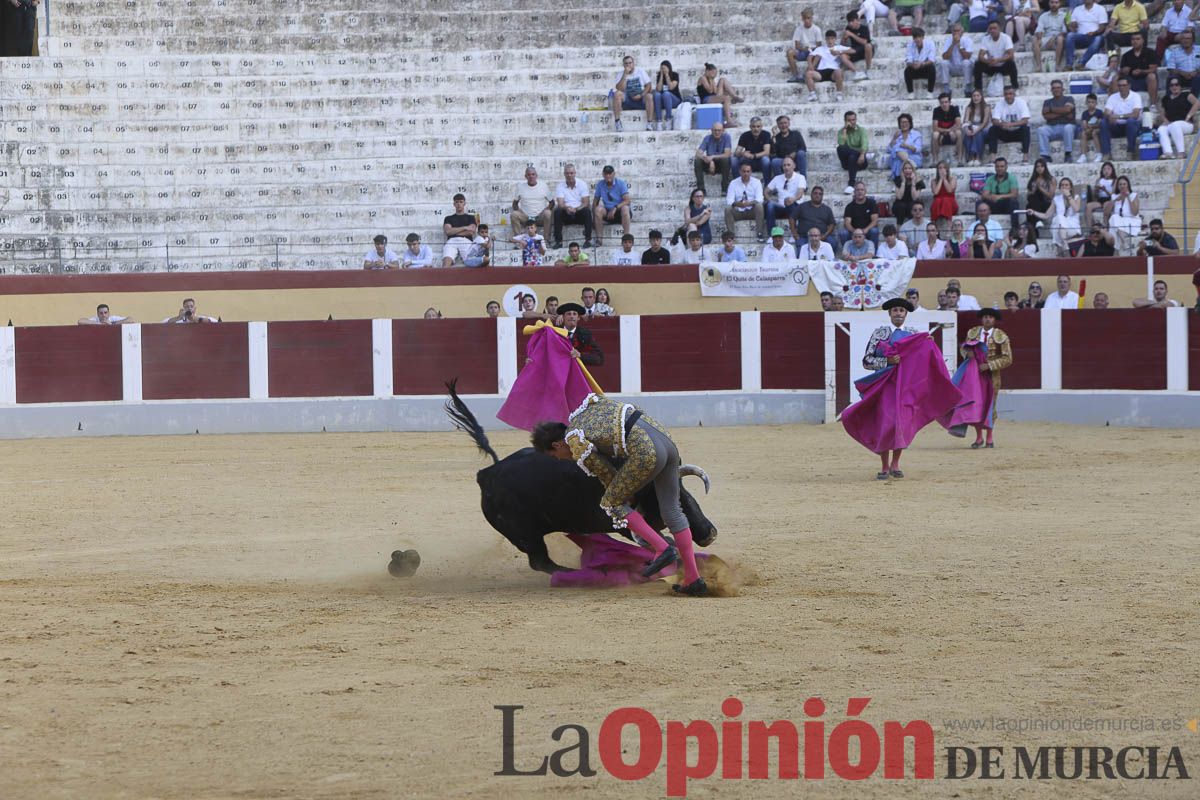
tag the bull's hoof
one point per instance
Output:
(404, 563)
(668, 556)
(697, 588)
(705, 542)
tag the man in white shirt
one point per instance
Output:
(744, 200)
(815, 249)
(1177, 20)
(891, 247)
(1123, 111)
(777, 249)
(1064, 298)
(785, 193)
(826, 64)
(956, 58)
(911, 231)
(931, 247)
(692, 252)
(1051, 32)
(533, 200)
(105, 317)
(625, 257)
(1086, 29)
(806, 38)
(983, 214)
(417, 255)
(966, 302)
(919, 58)
(633, 90)
(381, 256)
(1010, 123)
(995, 56)
(572, 207)
(1159, 300)
(187, 314)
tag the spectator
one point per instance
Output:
(1051, 33)
(106, 317)
(381, 256)
(459, 229)
(1064, 297)
(977, 122)
(1086, 30)
(1020, 21)
(952, 299)
(1175, 120)
(1011, 301)
(480, 254)
(932, 247)
(583, 344)
(1099, 243)
(1093, 126)
(983, 216)
(1039, 192)
(1159, 243)
(908, 189)
(982, 246)
(712, 89)
(587, 296)
(575, 256)
(666, 96)
(690, 253)
(696, 217)
(814, 249)
(995, 56)
(1124, 223)
(493, 308)
(825, 64)
(604, 303)
(753, 148)
(417, 255)
(839, 303)
(1100, 300)
(744, 200)
(657, 254)
(945, 188)
(533, 200)
(433, 313)
(571, 207)
(1063, 216)
(919, 59)
(852, 149)
(551, 308)
(1100, 195)
(1033, 297)
(856, 36)
(913, 230)
(806, 38)
(713, 156)
(906, 144)
(625, 256)
(1128, 17)
(533, 245)
(979, 13)
(915, 8)
(914, 297)
(1159, 300)
(1000, 190)
(957, 243)
(633, 90)
(1010, 123)
(946, 129)
(728, 250)
(784, 193)
(858, 247)
(187, 314)
(777, 249)
(860, 213)
(827, 301)
(1058, 113)
(1183, 60)
(1107, 81)
(1176, 20)
(814, 213)
(18, 28)
(943, 304)
(1022, 241)
(612, 203)
(788, 143)
(891, 246)
(1140, 66)
(957, 58)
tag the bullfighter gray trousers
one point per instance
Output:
(666, 477)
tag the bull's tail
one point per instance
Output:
(465, 421)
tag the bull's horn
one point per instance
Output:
(692, 469)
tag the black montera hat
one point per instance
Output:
(897, 302)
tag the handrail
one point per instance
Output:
(1187, 171)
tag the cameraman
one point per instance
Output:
(18, 25)
(188, 314)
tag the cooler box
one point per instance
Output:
(705, 115)
(1081, 86)
(1149, 152)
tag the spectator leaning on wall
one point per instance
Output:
(104, 317)
(187, 314)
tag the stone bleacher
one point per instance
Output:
(197, 134)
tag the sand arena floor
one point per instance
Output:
(211, 616)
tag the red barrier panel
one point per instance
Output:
(793, 350)
(68, 364)
(200, 362)
(428, 352)
(1114, 349)
(320, 359)
(682, 353)
(607, 333)
(1024, 328)
(1193, 352)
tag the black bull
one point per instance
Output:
(530, 494)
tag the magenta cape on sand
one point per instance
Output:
(899, 401)
(605, 561)
(979, 394)
(550, 387)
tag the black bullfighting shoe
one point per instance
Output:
(697, 588)
(668, 556)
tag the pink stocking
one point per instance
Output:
(638, 524)
(683, 540)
